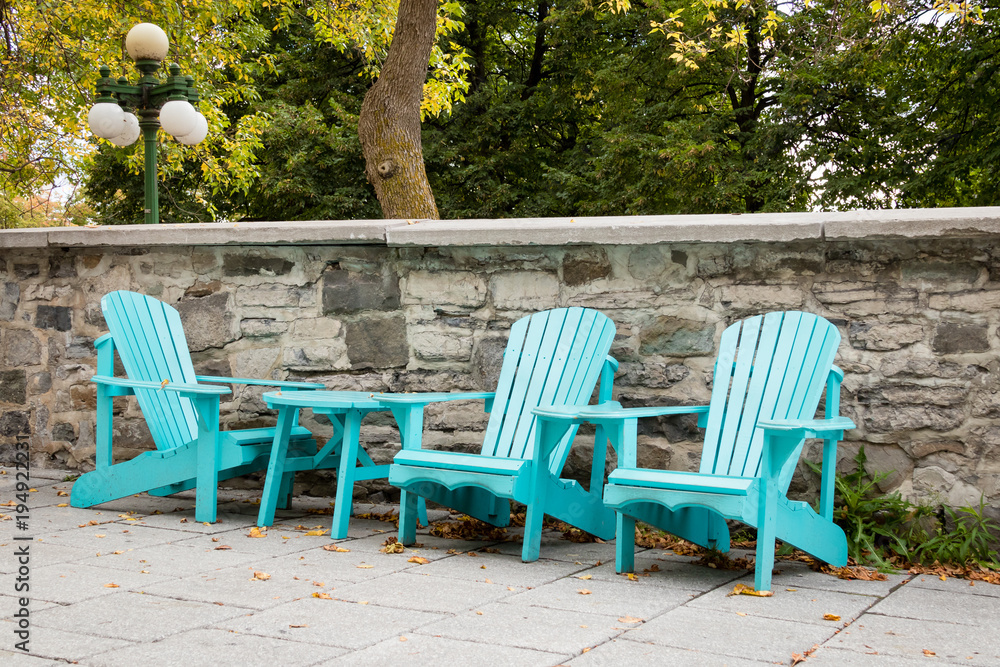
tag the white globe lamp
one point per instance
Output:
(106, 119)
(198, 134)
(178, 117)
(147, 41)
(129, 133)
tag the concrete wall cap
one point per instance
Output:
(612, 230)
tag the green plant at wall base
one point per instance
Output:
(967, 536)
(887, 531)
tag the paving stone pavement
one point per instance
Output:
(138, 581)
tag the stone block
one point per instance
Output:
(977, 301)
(937, 272)
(246, 265)
(261, 327)
(329, 357)
(254, 363)
(884, 337)
(461, 289)
(757, 299)
(208, 322)
(449, 344)
(40, 383)
(651, 374)
(920, 367)
(674, 337)
(13, 387)
(954, 338)
(316, 328)
(580, 267)
(912, 394)
(84, 396)
(525, 290)
(62, 266)
(656, 264)
(377, 342)
(9, 298)
(63, 431)
(81, 347)
(896, 418)
(26, 270)
(59, 318)
(21, 348)
(487, 361)
(935, 484)
(271, 296)
(14, 422)
(351, 291)
(890, 460)
(199, 289)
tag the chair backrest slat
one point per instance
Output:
(150, 341)
(770, 367)
(552, 358)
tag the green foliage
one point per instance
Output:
(888, 531)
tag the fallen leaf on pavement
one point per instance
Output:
(365, 566)
(831, 617)
(586, 577)
(317, 533)
(629, 619)
(334, 547)
(63, 505)
(223, 547)
(111, 585)
(583, 591)
(257, 532)
(743, 589)
(929, 652)
(420, 560)
(322, 596)
(299, 626)
(261, 576)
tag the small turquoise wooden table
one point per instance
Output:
(343, 451)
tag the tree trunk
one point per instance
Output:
(389, 124)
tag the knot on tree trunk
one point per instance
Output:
(386, 168)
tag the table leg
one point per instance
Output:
(346, 473)
(276, 466)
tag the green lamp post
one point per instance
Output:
(166, 104)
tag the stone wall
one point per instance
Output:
(391, 306)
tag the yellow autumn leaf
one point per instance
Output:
(261, 576)
(583, 591)
(334, 547)
(257, 532)
(317, 533)
(420, 560)
(743, 589)
(100, 535)
(111, 586)
(831, 617)
(631, 576)
(586, 577)
(61, 493)
(365, 566)
(322, 596)
(63, 505)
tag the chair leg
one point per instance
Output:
(533, 532)
(624, 543)
(422, 511)
(766, 528)
(344, 504)
(285, 492)
(407, 517)
(207, 488)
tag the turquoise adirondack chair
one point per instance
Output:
(181, 411)
(768, 381)
(552, 358)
